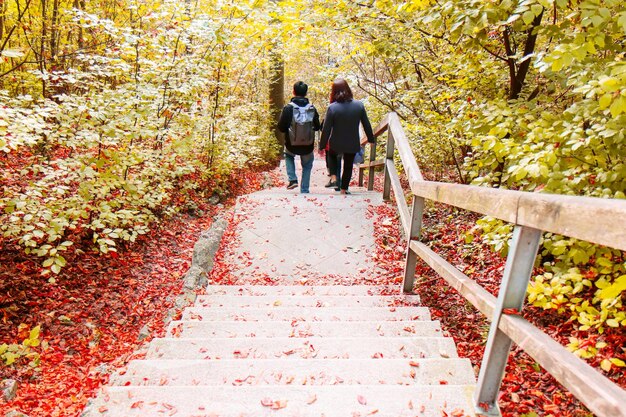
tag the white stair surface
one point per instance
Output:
(294, 290)
(302, 401)
(297, 372)
(308, 347)
(306, 301)
(200, 329)
(306, 313)
(295, 351)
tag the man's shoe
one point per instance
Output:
(331, 184)
(292, 185)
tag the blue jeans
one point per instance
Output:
(307, 164)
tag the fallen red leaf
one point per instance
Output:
(511, 311)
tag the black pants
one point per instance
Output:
(348, 161)
(336, 166)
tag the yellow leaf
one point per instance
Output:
(609, 84)
(612, 323)
(34, 333)
(618, 362)
(618, 107)
(615, 289)
(605, 101)
(606, 365)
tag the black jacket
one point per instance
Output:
(285, 121)
(341, 127)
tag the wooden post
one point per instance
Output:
(414, 233)
(370, 178)
(519, 266)
(361, 176)
(389, 156)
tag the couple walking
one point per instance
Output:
(340, 134)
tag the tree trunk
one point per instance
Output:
(517, 74)
(42, 46)
(80, 5)
(3, 10)
(54, 31)
(277, 91)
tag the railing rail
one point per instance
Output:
(591, 219)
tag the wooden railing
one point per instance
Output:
(596, 220)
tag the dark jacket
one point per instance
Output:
(341, 127)
(285, 121)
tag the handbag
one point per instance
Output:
(359, 157)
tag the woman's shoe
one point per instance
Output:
(337, 189)
(331, 183)
(345, 192)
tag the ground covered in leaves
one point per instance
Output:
(92, 316)
(527, 390)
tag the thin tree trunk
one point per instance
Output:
(214, 115)
(3, 10)
(42, 46)
(54, 31)
(277, 91)
(80, 5)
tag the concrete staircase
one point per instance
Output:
(296, 351)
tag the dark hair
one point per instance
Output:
(341, 91)
(300, 89)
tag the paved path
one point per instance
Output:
(295, 237)
(297, 333)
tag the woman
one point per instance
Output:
(341, 131)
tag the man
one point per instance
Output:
(298, 131)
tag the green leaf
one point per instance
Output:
(528, 17)
(59, 260)
(48, 262)
(537, 9)
(622, 21)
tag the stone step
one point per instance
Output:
(284, 199)
(306, 301)
(230, 329)
(297, 372)
(301, 401)
(298, 348)
(276, 290)
(307, 314)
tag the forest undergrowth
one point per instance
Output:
(527, 389)
(91, 317)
